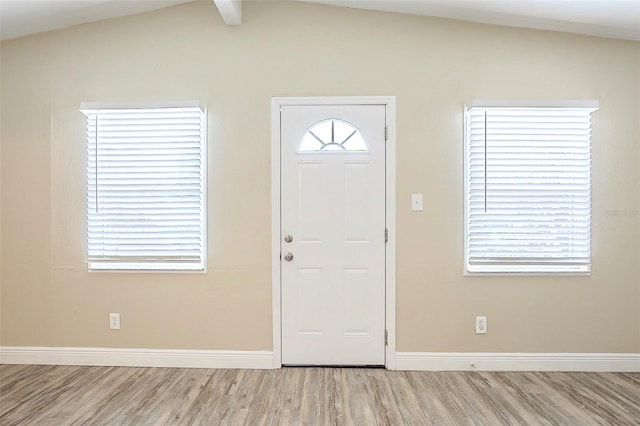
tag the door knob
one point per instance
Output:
(288, 257)
(288, 238)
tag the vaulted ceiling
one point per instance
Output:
(606, 18)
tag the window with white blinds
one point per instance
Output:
(528, 190)
(146, 188)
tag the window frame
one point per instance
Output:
(506, 269)
(158, 266)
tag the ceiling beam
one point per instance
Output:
(230, 10)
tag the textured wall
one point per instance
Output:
(432, 66)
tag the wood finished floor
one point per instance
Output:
(70, 395)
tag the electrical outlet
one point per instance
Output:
(481, 325)
(114, 321)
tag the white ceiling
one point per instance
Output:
(608, 18)
(24, 17)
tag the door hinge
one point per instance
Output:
(386, 133)
(386, 235)
(386, 337)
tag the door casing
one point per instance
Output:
(390, 203)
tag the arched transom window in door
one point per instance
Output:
(333, 135)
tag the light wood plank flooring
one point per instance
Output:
(70, 395)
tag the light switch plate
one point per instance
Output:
(416, 202)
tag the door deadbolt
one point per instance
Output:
(288, 238)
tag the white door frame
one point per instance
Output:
(390, 181)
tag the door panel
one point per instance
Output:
(356, 300)
(333, 205)
(356, 230)
(309, 290)
(310, 221)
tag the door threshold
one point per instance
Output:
(375, 366)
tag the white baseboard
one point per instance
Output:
(463, 361)
(136, 357)
(418, 361)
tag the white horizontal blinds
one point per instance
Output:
(146, 188)
(528, 189)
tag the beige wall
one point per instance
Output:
(432, 66)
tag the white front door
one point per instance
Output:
(333, 235)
